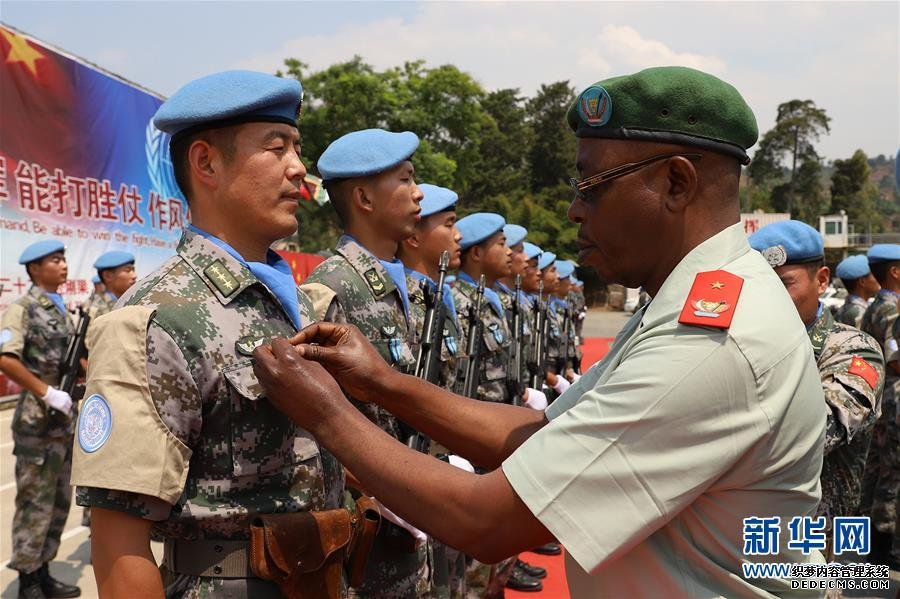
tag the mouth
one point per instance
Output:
(293, 196)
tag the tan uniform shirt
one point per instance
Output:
(651, 461)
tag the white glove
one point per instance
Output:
(561, 384)
(535, 400)
(417, 534)
(58, 400)
(461, 463)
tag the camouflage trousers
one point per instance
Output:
(881, 478)
(488, 581)
(43, 497)
(394, 573)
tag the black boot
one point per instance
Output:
(549, 549)
(533, 571)
(30, 586)
(55, 588)
(519, 581)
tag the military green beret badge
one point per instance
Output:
(595, 106)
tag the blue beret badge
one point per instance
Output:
(94, 423)
(775, 255)
(595, 106)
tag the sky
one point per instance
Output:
(845, 56)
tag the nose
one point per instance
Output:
(296, 169)
(576, 211)
(457, 236)
(417, 194)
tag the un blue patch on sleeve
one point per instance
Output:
(94, 423)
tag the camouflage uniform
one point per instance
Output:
(37, 333)
(556, 335)
(575, 330)
(852, 371)
(237, 456)
(495, 342)
(526, 315)
(99, 304)
(881, 481)
(852, 311)
(353, 287)
(449, 563)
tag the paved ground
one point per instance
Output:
(73, 562)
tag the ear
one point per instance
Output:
(413, 240)
(682, 183)
(204, 163)
(361, 198)
(823, 278)
(476, 253)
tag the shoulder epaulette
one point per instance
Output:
(712, 300)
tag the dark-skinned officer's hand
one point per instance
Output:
(346, 353)
(301, 389)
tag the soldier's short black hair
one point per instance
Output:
(880, 270)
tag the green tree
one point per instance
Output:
(552, 155)
(852, 191)
(798, 126)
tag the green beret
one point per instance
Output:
(674, 105)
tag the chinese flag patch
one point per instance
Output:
(712, 300)
(863, 369)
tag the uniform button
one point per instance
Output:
(217, 549)
(217, 569)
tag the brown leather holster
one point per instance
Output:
(304, 552)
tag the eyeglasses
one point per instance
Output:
(581, 186)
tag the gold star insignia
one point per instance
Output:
(858, 363)
(718, 285)
(21, 51)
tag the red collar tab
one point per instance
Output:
(712, 300)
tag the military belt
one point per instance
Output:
(210, 558)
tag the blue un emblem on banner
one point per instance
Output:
(761, 535)
(851, 535)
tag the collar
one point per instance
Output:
(819, 329)
(367, 265)
(724, 247)
(888, 295)
(224, 274)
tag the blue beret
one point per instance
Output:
(883, 252)
(853, 267)
(546, 259)
(564, 268)
(478, 227)
(95, 279)
(532, 251)
(366, 152)
(515, 234)
(113, 259)
(230, 98)
(788, 242)
(436, 199)
(39, 249)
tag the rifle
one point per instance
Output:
(473, 343)
(428, 360)
(514, 367)
(536, 366)
(567, 321)
(70, 369)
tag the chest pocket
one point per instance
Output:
(496, 342)
(396, 352)
(263, 441)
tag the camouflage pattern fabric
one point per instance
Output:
(881, 482)
(451, 344)
(526, 314)
(843, 352)
(247, 458)
(555, 315)
(353, 287)
(495, 343)
(851, 313)
(37, 333)
(99, 304)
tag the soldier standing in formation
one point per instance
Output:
(861, 286)
(420, 253)
(881, 483)
(850, 362)
(372, 186)
(34, 334)
(175, 438)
